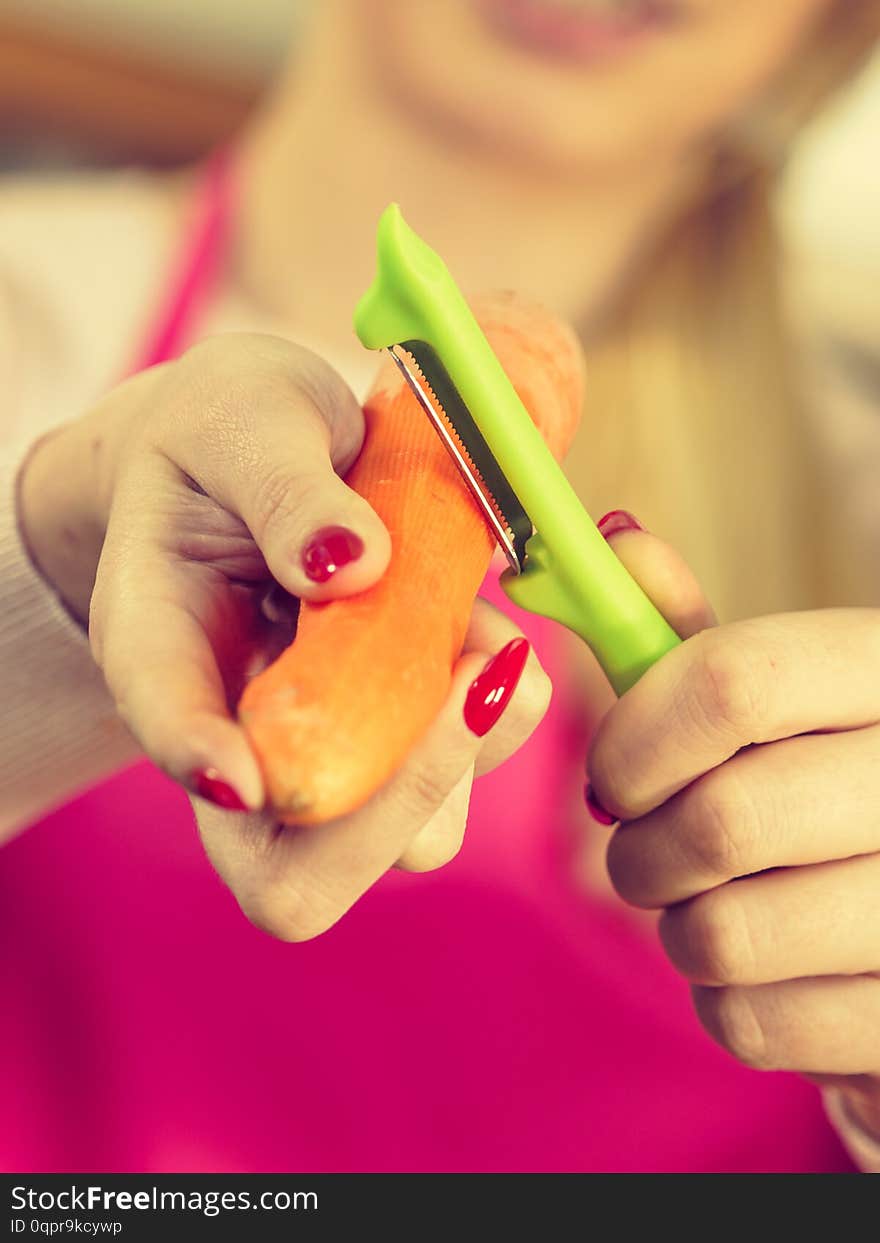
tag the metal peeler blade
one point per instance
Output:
(437, 395)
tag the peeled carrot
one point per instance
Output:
(336, 714)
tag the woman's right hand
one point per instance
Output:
(184, 516)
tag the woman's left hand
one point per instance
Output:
(745, 770)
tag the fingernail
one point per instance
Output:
(618, 520)
(595, 808)
(328, 551)
(210, 785)
(490, 692)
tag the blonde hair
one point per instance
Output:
(702, 431)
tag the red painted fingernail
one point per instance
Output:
(210, 785)
(328, 551)
(618, 520)
(490, 692)
(595, 808)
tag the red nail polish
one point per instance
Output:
(490, 692)
(328, 551)
(210, 785)
(618, 520)
(595, 808)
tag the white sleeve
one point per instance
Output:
(58, 728)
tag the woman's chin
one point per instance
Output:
(474, 77)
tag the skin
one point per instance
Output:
(743, 766)
(205, 487)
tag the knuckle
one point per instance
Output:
(440, 838)
(432, 854)
(719, 828)
(319, 384)
(278, 500)
(708, 938)
(426, 788)
(225, 379)
(287, 912)
(731, 1018)
(311, 383)
(727, 688)
(247, 369)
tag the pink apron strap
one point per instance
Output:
(198, 266)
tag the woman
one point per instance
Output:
(502, 1013)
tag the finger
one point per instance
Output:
(661, 571)
(856, 1097)
(306, 879)
(822, 919)
(826, 1025)
(798, 801)
(276, 429)
(748, 682)
(148, 635)
(490, 630)
(440, 840)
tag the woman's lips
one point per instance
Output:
(578, 30)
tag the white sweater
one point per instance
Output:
(69, 328)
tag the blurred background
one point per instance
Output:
(119, 80)
(100, 82)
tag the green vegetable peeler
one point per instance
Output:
(560, 566)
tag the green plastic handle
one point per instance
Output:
(570, 575)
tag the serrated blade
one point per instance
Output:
(436, 393)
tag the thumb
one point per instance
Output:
(660, 571)
(285, 428)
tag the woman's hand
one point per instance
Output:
(184, 516)
(745, 770)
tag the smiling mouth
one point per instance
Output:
(581, 30)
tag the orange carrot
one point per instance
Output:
(335, 715)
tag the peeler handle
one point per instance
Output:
(594, 596)
(570, 574)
